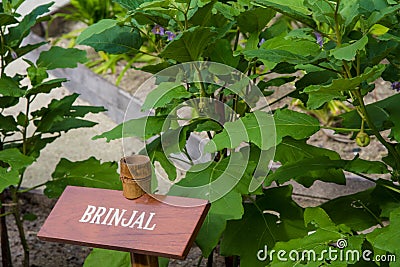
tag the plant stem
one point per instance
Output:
(340, 129)
(210, 259)
(31, 188)
(2, 52)
(5, 243)
(375, 131)
(20, 226)
(235, 45)
(277, 100)
(337, 29)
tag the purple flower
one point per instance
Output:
(14, 54)
(396, 86)
(170, 35)
(261, 42)
(320, 39)
(157, 29)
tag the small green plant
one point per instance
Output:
(24, 134)
(341, 48)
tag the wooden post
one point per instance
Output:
(135, 174)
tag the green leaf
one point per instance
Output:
(387, 238)
(316, 244)
(203, 15)
(227, 208)
(60, 115)
(365, 166)
(308, 170)
(108, 36)
(70, 123)
(89, 173)
(292, 8)
(109, 258)
(9, 87)
(155, 151)
(358, 211)
(276, 56)
(29, 217)
(270, 218)
(322, 11)
(8, 124)
(229, 203)
(15, 158)
(299, 47)
(163, 94)
(7, 19)
(190, 44)
(291, 151)
(20, 51)
(255, 20)
(58, 57)
(349, 52)
(320, 94)
(36, 75)
(222, 53)
(45, 87)
(383, 114)
(257, 127)
(8, 178)
(295, 124)
(260, 128)
(144, 128)
(19, 32)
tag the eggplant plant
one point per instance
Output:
(25, 131)
(329, 50)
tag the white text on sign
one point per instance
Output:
(117, 217)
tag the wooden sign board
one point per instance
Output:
(105, 219)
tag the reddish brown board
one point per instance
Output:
(169, 232)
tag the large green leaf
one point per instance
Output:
(264, 130)
(190, 44)
(110, 258)
(292, 8)
(60, 115)
(233, 173)
(254, 20)
(361, 210)
(8, 124)
(163, 94)
(257, 127)
(155, 151)
(8, 178)
(7, 19)
(222, 52)
(318, 243)
(58, 57)
(295, 124)
(19, 32)
(90, 173)
(320, 94)
(271, 218)
(9, 87)
(349, 52)
(144, 128)
(276, 56)
(15, 158)
(291, 151)
(308, 170)
(322, 11)
(387, 238)
(45, 87)
(107, 35)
